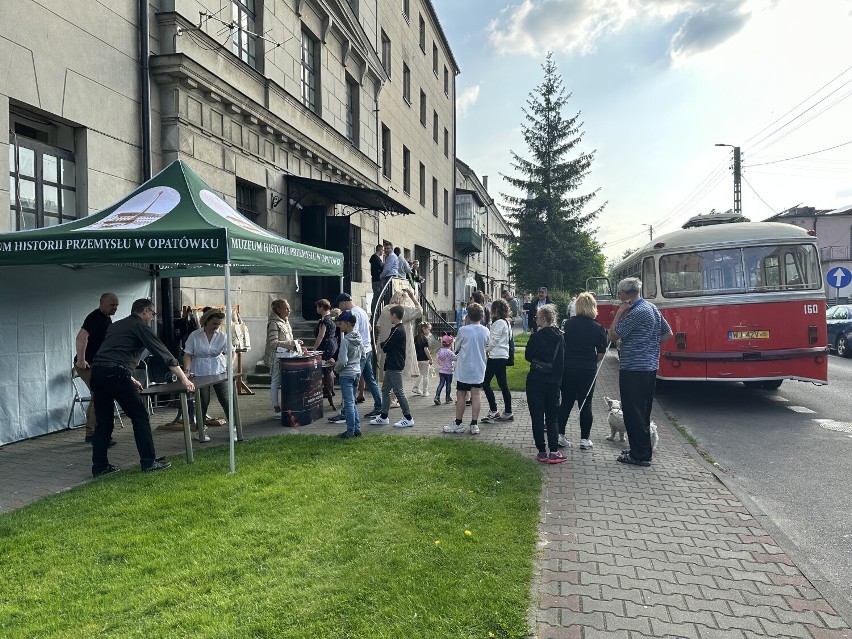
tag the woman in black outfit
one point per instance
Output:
(545, 347)
(585, 346)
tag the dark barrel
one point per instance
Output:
(301, 390)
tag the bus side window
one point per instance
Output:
(649, 278)
(791, 271)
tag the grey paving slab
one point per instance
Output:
(666, 551)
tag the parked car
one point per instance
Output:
(839, 320)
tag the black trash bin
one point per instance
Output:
(301, 390)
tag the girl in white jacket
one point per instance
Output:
(498, 357)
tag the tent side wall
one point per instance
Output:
(44, 308)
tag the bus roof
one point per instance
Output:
(738, 232)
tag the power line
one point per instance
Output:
(796, 157)
(798, 105)
(758, 195)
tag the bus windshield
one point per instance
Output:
(740, 270)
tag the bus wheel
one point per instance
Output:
(842, 346)
(772, 384)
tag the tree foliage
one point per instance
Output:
(554, 246)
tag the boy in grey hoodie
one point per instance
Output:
(348, 367)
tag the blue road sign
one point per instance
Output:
(838, 277)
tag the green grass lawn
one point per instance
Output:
(522, 339)
(516, 375)
(312, 537)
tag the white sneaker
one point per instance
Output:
(586, 444)
(378, 420)
(474, 429)
(490, 417)
(204, 439)
(563, 442)
(454, 428)
(404, 423)
(415, 391)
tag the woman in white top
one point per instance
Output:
(204, 354)
(498, 357)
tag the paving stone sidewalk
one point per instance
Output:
(625, 552)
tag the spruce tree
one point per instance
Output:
(553, 246)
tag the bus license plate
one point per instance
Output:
(748, 334)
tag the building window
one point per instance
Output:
(250, 200)
(422, 184)
(42, 180)
(446, 206)
(435, 126)
(422, 108)
(355, 269)
(386, 152)
(446, 279)
(386, 53)
(422, 23)
(435, 59)
(446, 81)
(310, 72)
(406, 83)
(434, 276)
(435, 197)
(406, 170)
(446, 143)
(353, 112)
(243, 40)
(406, 9)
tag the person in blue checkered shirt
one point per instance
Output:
(641, 329)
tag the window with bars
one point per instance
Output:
(310, 72)
(386, 152)
(243, 41)
(406, 170)
(250, 199)
(42, 183)
(353, 109)
(422, 184)
(435, 276)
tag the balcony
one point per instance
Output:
(469, 220)
(834, 254)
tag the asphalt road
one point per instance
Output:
(790, 451)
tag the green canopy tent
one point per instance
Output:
(178, 225)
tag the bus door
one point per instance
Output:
(607, 301)
(679, 300)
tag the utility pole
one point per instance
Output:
(738, 188)
(650, 232)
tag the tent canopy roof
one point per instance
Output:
(176, 222)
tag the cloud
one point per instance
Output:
(466, 99)
(708, 27)
(532, 27)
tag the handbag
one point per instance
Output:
(511, 360)
(545, 368)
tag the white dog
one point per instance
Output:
(616, 423)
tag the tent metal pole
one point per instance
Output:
(232, 429)
(341, 284)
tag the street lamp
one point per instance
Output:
(650, 231)
(738, 191)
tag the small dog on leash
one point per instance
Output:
(616, 423)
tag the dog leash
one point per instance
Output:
(595, 378)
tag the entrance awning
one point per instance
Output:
(304, 192)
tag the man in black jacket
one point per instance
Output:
(537, 304)
(376, 266)
(394, 348)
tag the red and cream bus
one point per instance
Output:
(745, 301)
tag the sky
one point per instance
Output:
(657, 84)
